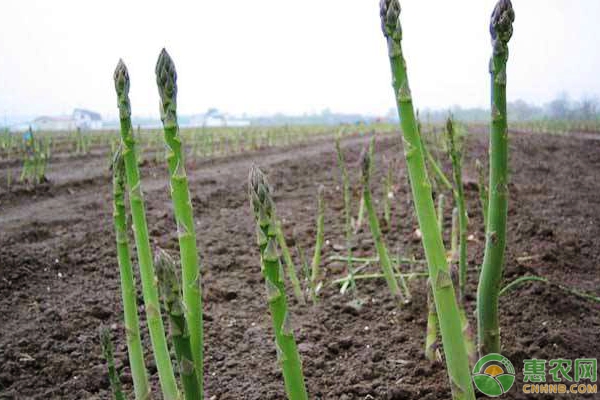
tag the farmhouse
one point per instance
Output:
(46, 123)
(81, 118)
(86, 119)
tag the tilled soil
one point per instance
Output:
(59, 279)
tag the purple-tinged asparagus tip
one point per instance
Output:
(501, 23)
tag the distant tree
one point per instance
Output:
(559, 107)
(588, 108)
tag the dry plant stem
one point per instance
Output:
(170, 290)
(142, 241)
(316, 260)
(287, 351)
(128, 292)
(459, 196)
(113, 375)
(291, 268)
(443, 290)
(384, 258)
(166, 79)
(493, 261)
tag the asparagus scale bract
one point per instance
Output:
(287, 351)
(146, 265)
(443, 290)
(501, 30)
(166, 79)
(128, 291)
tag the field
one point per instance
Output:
(59, 278)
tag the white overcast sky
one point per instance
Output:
(292, 56)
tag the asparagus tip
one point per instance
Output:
(501, 22)
(260, 194)
(365, 163)
(389, 11)
(166, 78)
(121, 78)
(450, 128)
(166, 276)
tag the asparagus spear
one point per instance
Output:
(384, 258)
(483, 191)
(287, 351)
(166, 80)
(459, 195)
(347, 209)
(170, 290)
(431, 343)
(291, 268)
(446, 305)
(140, 230)
(113, 375)
(316, 261)
(493, 261)
(128, 292)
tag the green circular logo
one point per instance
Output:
(493, 375)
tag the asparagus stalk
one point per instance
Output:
(316, 260)
(446, 305)
(431, 342)
(459, 195)
(113, 375)
(347, 209)
(166, 80)
(387, 210)
(483, 191)
(140, 230)
(384, 258)
(493, 261)
(291, 269)
(440, 213)
(170, 290)
(128, 291)
(287, 351)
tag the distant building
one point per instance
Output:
(54, 123)
(82, 119)
(214, 117)
(86, 119)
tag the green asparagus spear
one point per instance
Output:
(166, 80)
(459, 195)
(128, 292)
(113, 375)
(287, 351)
(501, 30)
(446, 305)
(384, 258)
(142, 241)
(170, 290)
(316, 261)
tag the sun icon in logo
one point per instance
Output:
(493, 375)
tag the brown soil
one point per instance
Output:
(59, 278)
